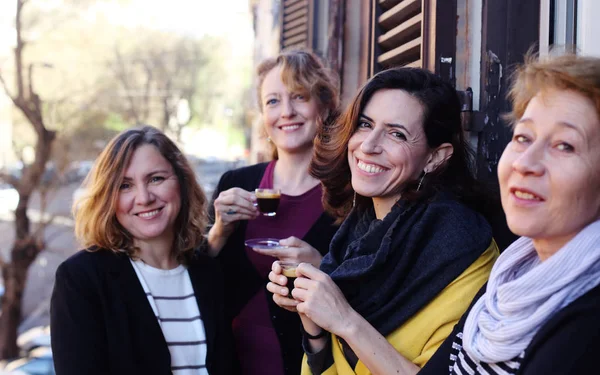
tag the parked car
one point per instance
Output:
(1, 295)
(33, 338)
(9, 198)
(38, 362)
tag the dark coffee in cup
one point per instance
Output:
(268, 201)
(289, 271)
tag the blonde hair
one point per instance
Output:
(96, 225)
(303, 72)
(563, 72)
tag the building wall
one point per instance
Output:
(266, 15)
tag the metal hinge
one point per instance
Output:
(472, 121)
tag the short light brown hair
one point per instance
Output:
(304, 72)
(563, 72)
(96, 224)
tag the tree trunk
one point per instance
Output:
(25, 249)
(14, 274)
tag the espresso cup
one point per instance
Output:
(267, 201)
(288, 269)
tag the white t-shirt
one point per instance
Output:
(171, 295)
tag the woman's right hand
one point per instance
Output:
(277, 286)
(231, 206)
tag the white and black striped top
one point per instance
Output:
(463, 364)
(171, 295)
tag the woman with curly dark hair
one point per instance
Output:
(414, 246)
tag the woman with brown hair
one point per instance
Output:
(140, 299)
(296, 95)
(414, 246)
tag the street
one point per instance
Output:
(61, 243)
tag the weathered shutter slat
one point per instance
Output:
(401, 37)
(295, 31)
(292, 24)
(387, 4)
(403, 33)
(405, 54)
(399, 13)
(295, 24)
(292, 7)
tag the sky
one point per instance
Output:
(229, 18)
(198, 17)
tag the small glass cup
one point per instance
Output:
(288, 269)
(267, 201)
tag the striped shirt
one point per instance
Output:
(171, 295)
(463, 364)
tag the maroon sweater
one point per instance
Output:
(257, 342)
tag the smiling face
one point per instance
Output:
(549, 173)
(149, 197)
(289, 117)
(389, 147)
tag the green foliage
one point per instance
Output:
(115, 122)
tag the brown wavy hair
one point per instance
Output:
(304, 72)
(441, 124)
(560, 72)
(96, 225)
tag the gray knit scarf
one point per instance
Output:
(523, 293)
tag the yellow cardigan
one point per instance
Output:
(420, 336)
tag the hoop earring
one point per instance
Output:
(421, 180)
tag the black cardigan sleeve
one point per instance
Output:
(78, 339)
(568, 344)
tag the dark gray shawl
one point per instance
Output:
(389, 269)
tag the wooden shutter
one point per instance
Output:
(417, 33)
(296, 29)
(400, 32)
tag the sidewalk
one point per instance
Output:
(60, 244)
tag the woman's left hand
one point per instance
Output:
(322, 301)
(297, 251)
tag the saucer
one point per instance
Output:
(264, 244)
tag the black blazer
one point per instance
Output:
(247, 281)
(101, 321)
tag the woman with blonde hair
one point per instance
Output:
(297, 95)
(140, 299)
(539, 312)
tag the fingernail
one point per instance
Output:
(283, 291)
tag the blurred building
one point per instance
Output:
(473, 44)
(266, 15)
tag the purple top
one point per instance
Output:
(256, 340)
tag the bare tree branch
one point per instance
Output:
(121, 74)
(19, 49)
(5, 87)
(9, 179)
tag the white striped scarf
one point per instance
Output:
(523, 293)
